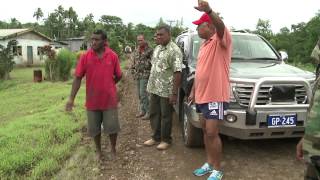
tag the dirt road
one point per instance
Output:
(247, 160)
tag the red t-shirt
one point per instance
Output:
(101, 92)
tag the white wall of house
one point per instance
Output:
(25, 40)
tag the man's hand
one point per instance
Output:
(69, 105)
(173, 99)
(299, 151)
(203, 6)
(191, 97)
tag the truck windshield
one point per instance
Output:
(244, 47)
(251, 48)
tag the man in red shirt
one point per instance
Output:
(211, 85)
(101, 67)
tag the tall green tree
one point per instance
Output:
(263, 28)
(14, 24)
(38, 14)
(72, 21)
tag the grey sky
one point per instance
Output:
(239, 14)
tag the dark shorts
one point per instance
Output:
(213, 110)
(108, 119)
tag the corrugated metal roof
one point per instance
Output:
(8, 32)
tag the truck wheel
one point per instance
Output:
(192, 136)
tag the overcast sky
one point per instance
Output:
(239, 14)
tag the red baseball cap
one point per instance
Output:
(204, 18)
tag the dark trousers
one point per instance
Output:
(161, 118)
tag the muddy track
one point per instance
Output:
(267, 159)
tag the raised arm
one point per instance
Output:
(216, 20)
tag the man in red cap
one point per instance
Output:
(211, 87)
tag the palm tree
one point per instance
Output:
(38, 14)
(72, 18)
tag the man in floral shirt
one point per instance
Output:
(164, 80)
(140, 70)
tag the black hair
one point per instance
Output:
(166, 28)
(102, 33)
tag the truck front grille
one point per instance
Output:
(243, 93)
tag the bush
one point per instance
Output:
(58, 67)
(65, 59)
(6, 59)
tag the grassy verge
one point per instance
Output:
(36, 134)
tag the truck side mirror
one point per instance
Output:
(284, 55)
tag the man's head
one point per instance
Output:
(140, 40)
(98, 40)
(205, 26)
(163, 35)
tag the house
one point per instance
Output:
(59, 45)
(29, 43)
(76, 43)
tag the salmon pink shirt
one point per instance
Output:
(212, 72)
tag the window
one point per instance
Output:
(39, 51)
(17, 50)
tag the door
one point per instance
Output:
(29, 55)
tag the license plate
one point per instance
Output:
(287, 120)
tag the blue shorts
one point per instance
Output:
(212, 110)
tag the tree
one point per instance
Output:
(38, 14)
(161, 22)
(51, 25)
(72, 18)
(87, 26)
(263, 28)
(60, 15)
(14, 23)
(6, 59)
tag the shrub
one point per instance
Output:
(6, 59)
(51, 64)
(58, 67)
(65, 59)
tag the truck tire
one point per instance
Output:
(192, 136)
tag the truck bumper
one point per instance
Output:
(260, 130)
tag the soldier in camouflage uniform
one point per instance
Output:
(140, 69)
(308, 149)
(164, 80)
(315, 56)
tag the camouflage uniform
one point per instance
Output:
(311, 143)
(315, 55)
(166, 60)
(140, 70)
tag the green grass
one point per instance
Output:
(36, 134)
